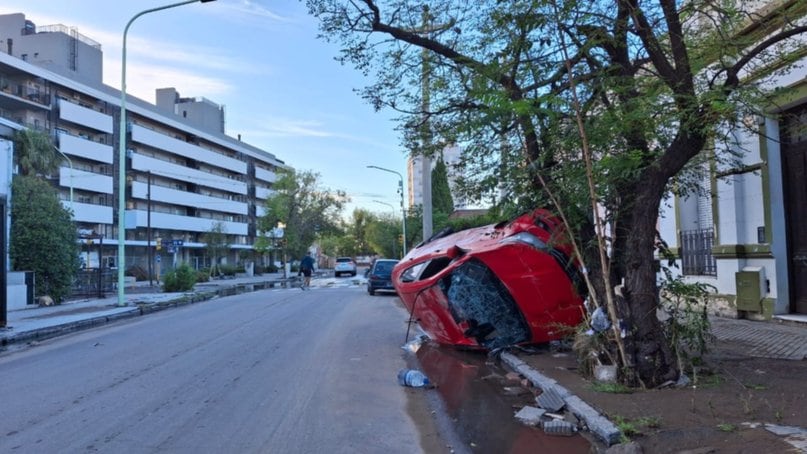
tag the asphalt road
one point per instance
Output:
(276, 371)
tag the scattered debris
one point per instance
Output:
(414, 345)
(605, 373)
(550, 400)
(515, 391)
(530, 416)
(413, 378)
(513, 376)
(557, 427)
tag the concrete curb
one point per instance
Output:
(65, 328)
(597, 424)
(136, 309)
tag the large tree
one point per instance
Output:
(585, 107)
(34, 153)
(442, 202)
(43, 237)
(217, 245)
(306, 208)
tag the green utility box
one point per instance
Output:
(750, 289)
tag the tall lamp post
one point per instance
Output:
(401, 191)
(122, 148)
(393, 215)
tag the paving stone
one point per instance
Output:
(530, 416)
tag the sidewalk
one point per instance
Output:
(37, 323)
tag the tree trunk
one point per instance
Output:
(646, 343)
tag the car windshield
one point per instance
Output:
(384, 268)
(343, 259)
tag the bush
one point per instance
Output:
(180, 279)
(228, 270)
(202, 275)
(258, 270)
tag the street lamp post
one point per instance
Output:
(122, 148)
(401, 191)
(393, 215)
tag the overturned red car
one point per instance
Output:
(510, 283)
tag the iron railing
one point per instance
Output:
(696, 253)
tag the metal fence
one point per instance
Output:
(696, 253)
(94, 283)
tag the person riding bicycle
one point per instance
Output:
(306, 268)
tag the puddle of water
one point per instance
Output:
(472, 390)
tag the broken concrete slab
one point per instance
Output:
(530, 416)
(550, 400)
(597, 424)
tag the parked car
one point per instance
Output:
(344, 265)
(510, 283)
(379, 276)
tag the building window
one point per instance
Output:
(696, 253)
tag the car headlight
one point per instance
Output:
(527, 238)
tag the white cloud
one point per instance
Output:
(142, 80)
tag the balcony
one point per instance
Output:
(179, 223)
(190, 199)
(187, 150)
(182, 173)
(89, 181)
(89, 213)
(86, 117)
(265, 175)
(77, 146)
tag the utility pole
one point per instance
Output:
(426, 133)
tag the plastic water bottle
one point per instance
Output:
(413, 378)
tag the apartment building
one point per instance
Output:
(183, 173)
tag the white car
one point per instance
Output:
(344, 265)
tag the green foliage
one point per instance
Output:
(43, 237)
(35, 153)
(307, 210)
(611, 388)
(687, 325)
(180, 279)
(383, 235)
(229, 270)
(442, 202)
(633, 427)
(216, 244)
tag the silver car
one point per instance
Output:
(344, 265)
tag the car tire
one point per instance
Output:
(353, 274)
(371, 292)
(337, 274)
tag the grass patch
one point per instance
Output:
(633, 427)
(726, 427)
(611, 388)
(755, 387)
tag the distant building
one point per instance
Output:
(451, 156)
(183, 173)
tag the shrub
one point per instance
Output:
(180, 279)
(202, 276)
(228, 270)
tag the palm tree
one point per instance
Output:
(35, 152)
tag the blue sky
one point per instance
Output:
(280, 85)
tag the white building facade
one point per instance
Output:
(746, 234)
(183, 173)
